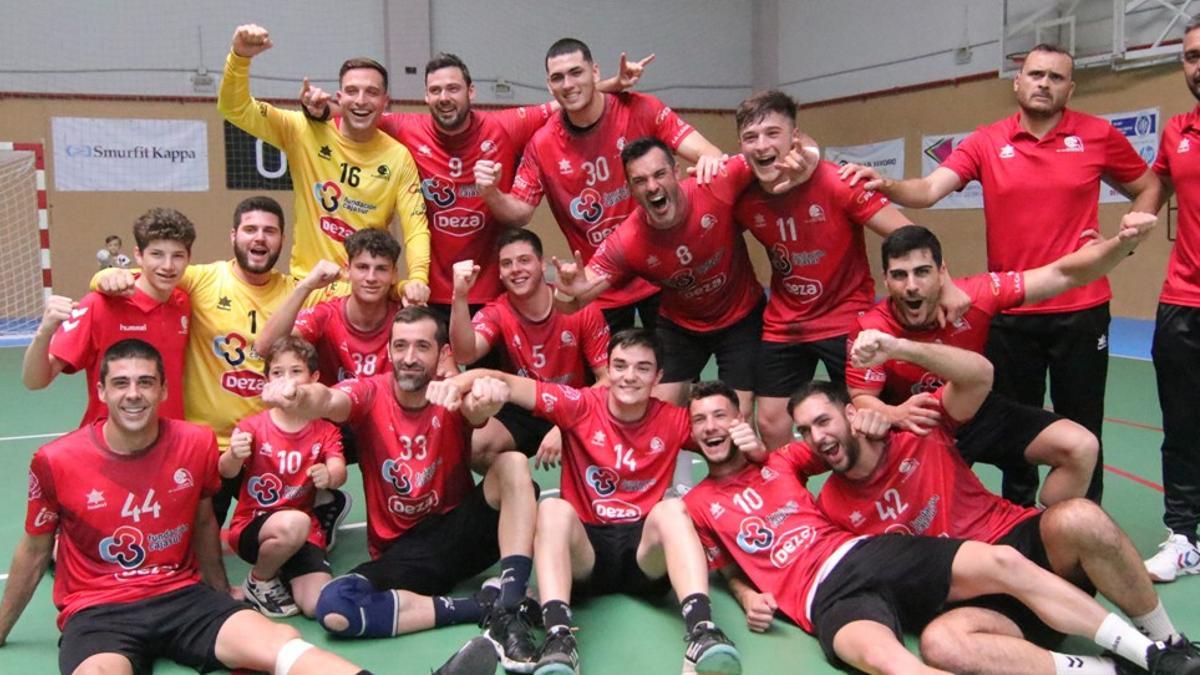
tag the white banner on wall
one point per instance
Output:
(886, 157)
(934, 151)
(129, 155)
(1141, 128)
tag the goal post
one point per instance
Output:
(25, 280)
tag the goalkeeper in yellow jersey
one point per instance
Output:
(347, 177)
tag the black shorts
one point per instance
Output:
(620, 318)
(893, 579)
(349, 443)
(686, 352)
(441, 551)
(308, 560)
(1000, 432)
(783, 367)
(491, 360)
(616, 569)
(526, 429)
(181, 626)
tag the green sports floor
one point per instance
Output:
(618, 635)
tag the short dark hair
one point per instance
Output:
(637, 337)
(162, 223)
(447, 60)
(905, 240)
(514, 235)
(568, 45)
(131, 348)
(363, 62)
(642, 147)
(379, 243)
(835, 392)
(292, 344)
(415, 313)
(257, 203)
(763, 103)
(1048, 48)
(111, 238)
(714, 388)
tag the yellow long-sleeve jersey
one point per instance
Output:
(341, 185)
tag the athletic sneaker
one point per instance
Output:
(710, 651)
(270, 597)
(331, 514)
(1177, 658)
(511, 632)
(477, 657)
(560, 655)
(1176, 556)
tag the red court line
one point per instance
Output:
(1135, 478)
(1135, 425)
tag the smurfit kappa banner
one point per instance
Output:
(129, 155)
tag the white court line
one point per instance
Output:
(26, 438)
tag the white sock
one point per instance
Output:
(1155, 624)
(1122, 639)
(1071, 664)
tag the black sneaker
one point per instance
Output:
(331, 514)
(709, 651)
(511, 633)
(477, 657)
(1180, 657)
(560, 655)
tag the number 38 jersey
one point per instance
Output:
(414, 463)
(275, 476)
(125, 521)
(613, 471)
(345, 352)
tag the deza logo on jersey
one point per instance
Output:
(329, 196)
(234, 350)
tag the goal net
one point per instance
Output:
(21, 259)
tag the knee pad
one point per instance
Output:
(370, 612)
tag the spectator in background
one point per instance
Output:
(110, 255)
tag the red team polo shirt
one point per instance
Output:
(765, 520)
(343, 351)
(923, 487)
(562, 348)
(701, 264)
(581, 173)
(613, 471)
(895, 381)
(124, 521)
(1179, 160)
(820, 278)
(275, 476)
(460, 225)
(101, 321)
(1039, 196)
(414, 462)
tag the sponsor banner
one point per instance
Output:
(129, 155)
(253, 164)
(934, 151)
(886, 157)
(1141, 128)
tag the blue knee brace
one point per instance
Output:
(371, 613)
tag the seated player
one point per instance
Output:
(761, 527)
(612, 532)
(429, 526)
(919, 484)
(290, 458)
(139, 572)
(535, 340)
(73, 336)
(1005, 433)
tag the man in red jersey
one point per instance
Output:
(761, 527)
(575, 161)
(350, 332)
(73, 336)
(611, 531)
(820, 279)
(139, 571)
(1005, 433)
(918, 484)
(1041, 171)
(428, 525)
(533, 338)
(1176, 349)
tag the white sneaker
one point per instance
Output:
(270, 597)
(1176, 556)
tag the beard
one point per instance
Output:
(243, 260)
(411, 382)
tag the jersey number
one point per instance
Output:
(407, 443)
(684, 255)
(350, 174)
(787, 228)
(748, 500)
(130, 510)
(597, 171)
(455, 167)
(890, 507)
(364, 364)
(625, 457)
(289, 461)
(539, 357)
